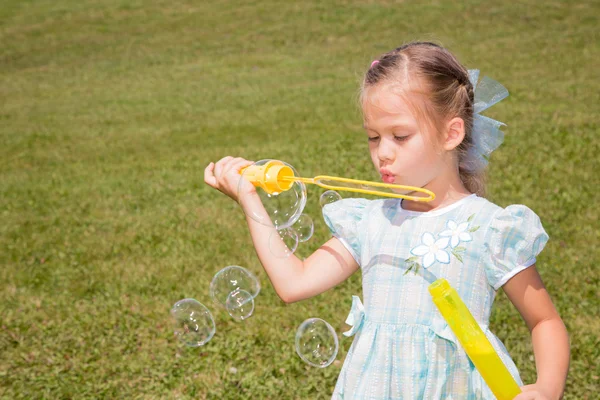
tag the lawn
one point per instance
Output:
(111, 109)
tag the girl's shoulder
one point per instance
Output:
(345, 218)
(349, 205)
(356, 208)
(495, 215)
(350, 210)
(515, 237)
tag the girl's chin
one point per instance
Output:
(408, 192)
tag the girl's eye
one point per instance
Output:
(373, 139)
(400, 138)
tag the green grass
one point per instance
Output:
(111, 109)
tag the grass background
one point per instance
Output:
(111, 109)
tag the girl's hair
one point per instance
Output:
(446, 93)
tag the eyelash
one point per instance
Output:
(398, 138)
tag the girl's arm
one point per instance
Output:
(548, 333)
(292, 278)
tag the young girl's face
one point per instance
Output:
(402, 150)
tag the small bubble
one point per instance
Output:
(240, 304)
(316, 342)
(328, 197)
(192, 322)
(232, 278)
(304, 227)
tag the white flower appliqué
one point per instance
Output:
(432, 250)
(457, 233)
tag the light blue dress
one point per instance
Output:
(403, 348)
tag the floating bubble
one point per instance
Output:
(230, 279)
(282, 207)
(192, 322)
(283, 243)
(304, 227)
(316, 342)
(240, 304)
(328, 197)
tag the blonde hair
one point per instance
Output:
(447, 93)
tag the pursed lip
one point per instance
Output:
(387, 176)
(384, 171)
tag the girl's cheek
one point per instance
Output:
(419, 148)
(412, 150)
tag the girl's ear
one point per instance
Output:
(455, 133)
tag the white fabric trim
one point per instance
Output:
(438, 211)
(348, 247)
(513, 272)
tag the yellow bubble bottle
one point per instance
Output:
(473, 340)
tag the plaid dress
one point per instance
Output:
(403, 348)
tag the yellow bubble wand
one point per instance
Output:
(275, 177)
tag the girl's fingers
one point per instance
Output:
(234, 166)
(244, 164)
(219, 166)
(209, 176)
(221, 176)
(239, 164)
(244, 185)
(229, 164)
(525, 396)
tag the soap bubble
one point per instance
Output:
(328, 197)
(316, 342)
(289, 245)
(230, 279)
(283, 200)
(192, 322)
(240, 304)
(304, 227)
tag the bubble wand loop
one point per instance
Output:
(275, 177)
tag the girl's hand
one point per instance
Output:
(225, 177)
(532, 392)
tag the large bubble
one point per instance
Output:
(192, 322)
(304, 227)
(232, 278)
(316, 342)
(240, 304)
(281, 205)
(283, 243)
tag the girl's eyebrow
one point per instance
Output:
(365, 126)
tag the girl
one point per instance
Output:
(421, 117)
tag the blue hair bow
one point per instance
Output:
(486, 133)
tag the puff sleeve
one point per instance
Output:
(516, 237)
(344, 218)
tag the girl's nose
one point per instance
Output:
(385, 151)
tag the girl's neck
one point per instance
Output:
(448, 189)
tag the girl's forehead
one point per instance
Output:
(383, 104)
